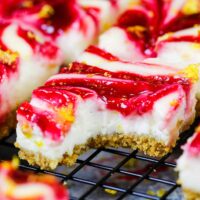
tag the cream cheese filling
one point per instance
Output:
(93, 118)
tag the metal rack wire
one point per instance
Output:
(104, 188)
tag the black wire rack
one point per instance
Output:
(94, 175)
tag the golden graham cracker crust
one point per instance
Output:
(10, 123)
(189, 195)
(145, 144)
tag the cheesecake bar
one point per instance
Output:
(26, 60)
(171, 38)
(20, 185)
(188, 167)
(102, 101)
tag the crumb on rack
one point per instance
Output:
(111, 192)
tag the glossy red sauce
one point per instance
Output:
(180, 22)
(151, 16)
(132, 18)
(6, 69)
(57, 97)
(2, 28)
(44, 120)
(124, 96)
(95, 14)
(84, 93)
(145, 39)
(158, 79)
(8, 7)
(141, 104)
(99, 52)
(153, 80)
(65, 12)
(82, 68)
(183, 39)
(46, 49)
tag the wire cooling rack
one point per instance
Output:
(114, 173)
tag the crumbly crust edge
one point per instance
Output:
(148, 145)
(190, 195)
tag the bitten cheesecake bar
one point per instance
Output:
(102, 101)
(188, 167)
(20, 185)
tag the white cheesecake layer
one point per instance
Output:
(178, 54)
(92, 118)
(189, 176)
(117, 66)
(117, 42)
(76, 39)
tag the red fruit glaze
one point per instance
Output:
(107, 86)
(181, 23)
(7, 68)
(102, 53)
(57, 19)
(151, 16)
(121, 95)
(186, 38)
(94, 13)
(141, 104)
(82, 68)
(57, 97)
(84, 93)
(46, 49)
(163, 80)
(44, 120)
(154, 80)
(64, 14)
(133, 18)
(2, 28)
(7, 7)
